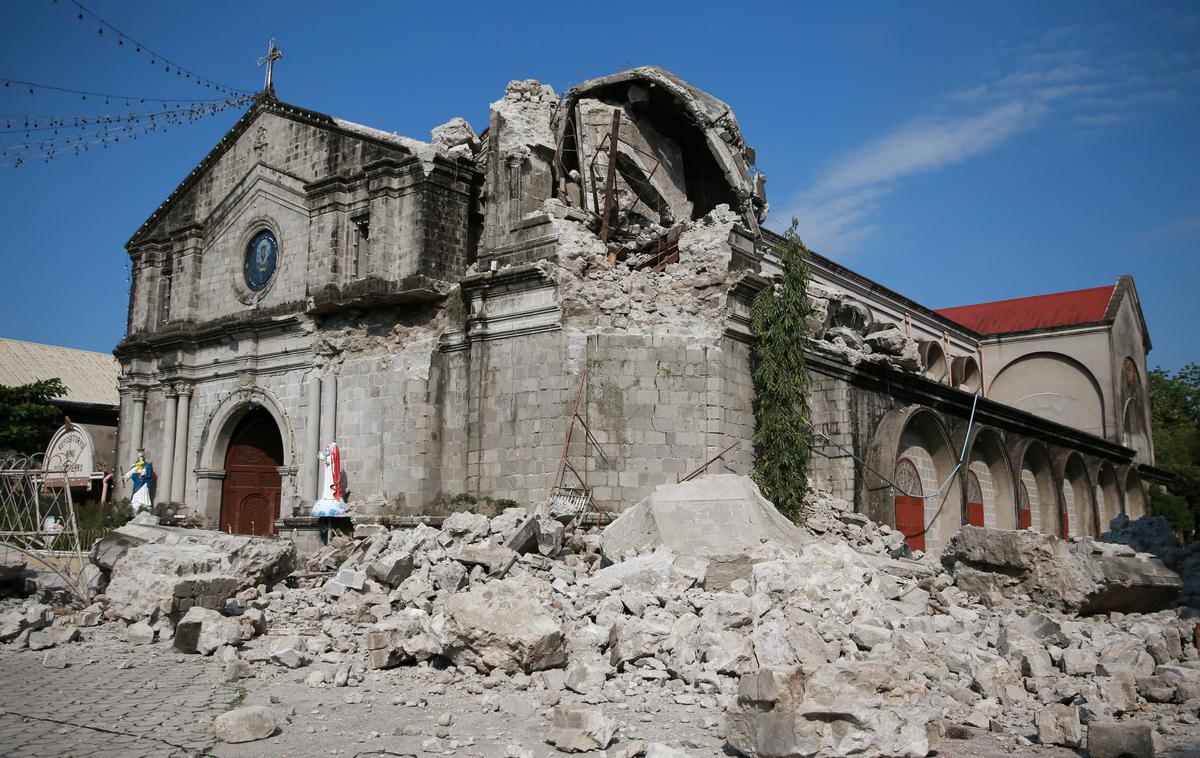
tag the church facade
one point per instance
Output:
(464, 314)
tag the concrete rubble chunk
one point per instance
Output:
(693, 518)
(580, 728)
(549, 536)
(509, 625)
(217, 630)
(1083, 576)
(290, 651)
(255, 722)
(54, 659)
(1058, 724)
(391, 568)
(139, 633)
(187, 631)
(252, 560)
(407, 636)
(493, 558)
(848, 707)
(1123, 739)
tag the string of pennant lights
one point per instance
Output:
(27, 138)
(123, 40)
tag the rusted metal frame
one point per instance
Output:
(610, 182)
(704, 466)
(672, 258)
(570, 431)
(661, 258)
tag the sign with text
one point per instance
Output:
(71, 451)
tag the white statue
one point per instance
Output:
(330, 502)
(141, 473)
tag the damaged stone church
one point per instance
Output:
(437, 307)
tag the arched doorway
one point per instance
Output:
(974, 512)
(990, 491)
(1135, 495)
(1079, 510)
(1108, 496)
(910, 504)
(253, 485)
(1038, 495)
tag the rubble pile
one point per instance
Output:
(816, 641)
(1153, 535)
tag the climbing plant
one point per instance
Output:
(779, 318)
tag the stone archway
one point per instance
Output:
(1038, 497)
(253, 485)
(990, 483)
(1079, 508)
(221, 431)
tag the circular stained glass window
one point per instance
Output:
(261, 258)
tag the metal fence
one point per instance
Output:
(37, 519)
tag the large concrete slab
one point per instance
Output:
(719, 515)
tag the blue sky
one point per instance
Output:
(956, 152)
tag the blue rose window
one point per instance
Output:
(261, 255)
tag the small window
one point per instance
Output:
(164, 295)
(360, 246)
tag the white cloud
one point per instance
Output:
(1042, 85)
(835, 215)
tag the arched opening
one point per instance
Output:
(973, 514)
(253, 485)
(924, 461)
(964, 372)
(1135, 495)
(1108, 496)
(910, 503)
(934, 359)
(1079, 513)
(1039, 498)
(989, 467)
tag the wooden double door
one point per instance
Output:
(253, 485)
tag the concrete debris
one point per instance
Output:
(1079, 576)
(1058, 724)
(844, 708)
(721, 518)
(818, 640)
(1153, 535)
(1124, 739)
(511, 625)
(163, 571)
(247, 724)
(580, 728)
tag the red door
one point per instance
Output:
(251, 492)
(1024, 514)
(910, 506)
(974, 500)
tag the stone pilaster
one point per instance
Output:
(167, 455)
(179, 461)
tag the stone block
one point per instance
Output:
(1124, 739)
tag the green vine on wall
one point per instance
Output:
(779, 318)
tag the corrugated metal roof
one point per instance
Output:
(89, 377)
(1025, 314)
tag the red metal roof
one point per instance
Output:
(1024, 314)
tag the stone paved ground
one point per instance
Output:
(163, 704)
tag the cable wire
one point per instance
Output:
(155, 56)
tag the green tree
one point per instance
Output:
(1175, 416)
(779, 319)
(27, 419)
